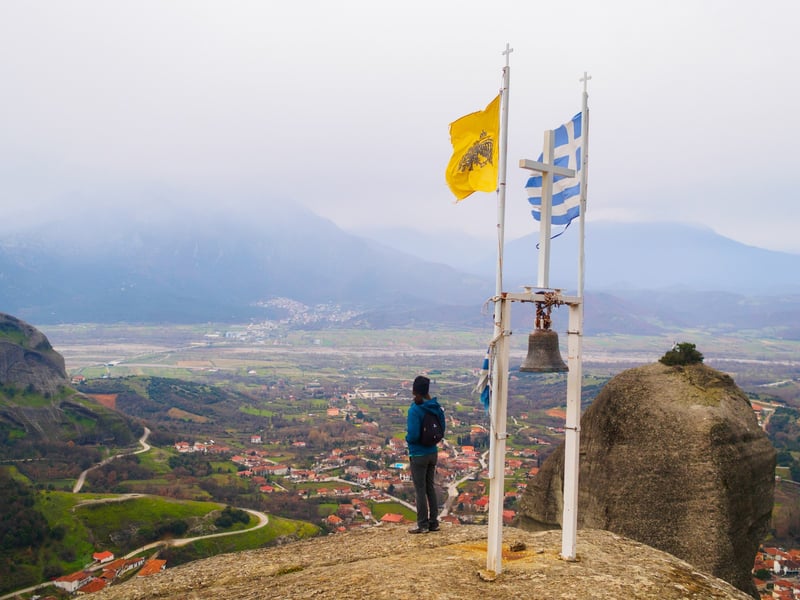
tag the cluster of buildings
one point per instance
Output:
(373, 473)
(784, 568)
(106, 569)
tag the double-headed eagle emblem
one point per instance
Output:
(478, 155)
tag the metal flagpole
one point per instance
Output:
(498, 399)
(572, 441)
(569, 520)
(501, 177)
(584, 177)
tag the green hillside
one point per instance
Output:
(45, 534)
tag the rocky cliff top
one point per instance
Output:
(27, 358)
(387, 562)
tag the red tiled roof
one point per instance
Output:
(151, 567)
(95, 585)
(103, 555)
(72, 576)
(392, 518)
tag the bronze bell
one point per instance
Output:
(543, 353)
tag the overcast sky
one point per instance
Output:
(345, 106)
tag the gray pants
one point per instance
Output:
(423, 469)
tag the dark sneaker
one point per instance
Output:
(418, 530)
(433, 527)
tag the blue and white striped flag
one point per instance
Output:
(483, 383)
(566, 190)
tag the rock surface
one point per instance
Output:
(386, 562)
(27, 358)
(672, 457)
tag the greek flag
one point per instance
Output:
(566, 190)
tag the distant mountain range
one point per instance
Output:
(195, 268)
(192, 267)
(619, 257)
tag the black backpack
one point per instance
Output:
(432, 432)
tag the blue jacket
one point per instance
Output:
(416, 412)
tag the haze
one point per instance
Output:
(345, 108)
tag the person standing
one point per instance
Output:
(423, 458)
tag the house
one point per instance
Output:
(302, 475)
(73, 581)
(397, 444)
(482, 504)
(183, 447)
(790, 568)
(255, 439)
(784, 586)
(103, 557)
(272, 470)
(112, 569)
(392, 518)
(121, 566)
(151, 567)
(95, 585)
(346, 511)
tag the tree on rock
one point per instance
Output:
(682, 354)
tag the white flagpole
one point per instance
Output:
(584, 178)
(572, 441)
(498, 399)
(501, 178)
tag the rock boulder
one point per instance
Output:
(673, 457)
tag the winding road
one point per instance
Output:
(263, 518)
(144, 448)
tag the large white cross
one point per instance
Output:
(507, 51)
(547, 168)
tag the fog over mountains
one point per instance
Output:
(181, 267)
(195, 267)
(619, 257)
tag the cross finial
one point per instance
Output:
(585, 79)
(507, 51)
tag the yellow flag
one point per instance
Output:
(475, 139)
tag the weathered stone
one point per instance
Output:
(671, 457)
(386, 563)
(27, 358)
